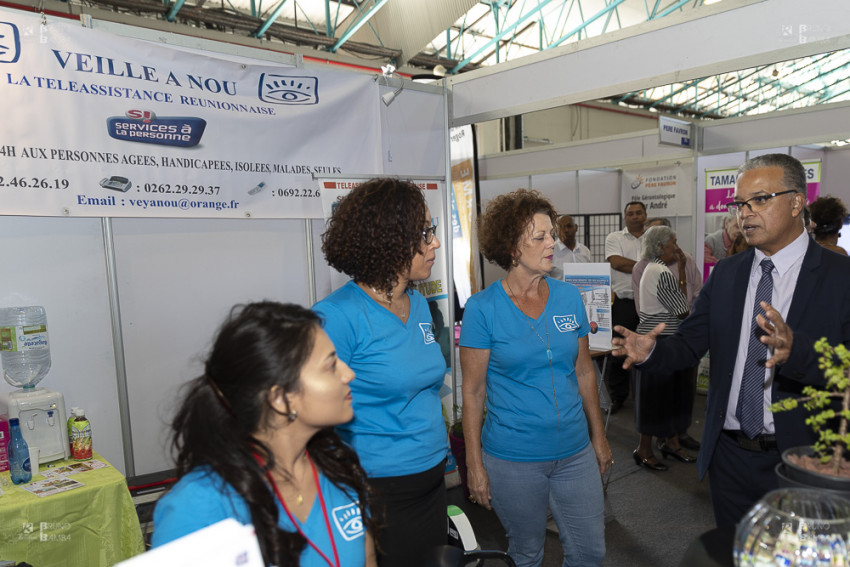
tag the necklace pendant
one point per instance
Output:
(299, 499)
(549, 354)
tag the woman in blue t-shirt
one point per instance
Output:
(254, 440)
(382, 236)
(524, 349)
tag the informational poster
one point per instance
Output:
(467, 269)
(99, 125)
(594, 283)
(435, 288)
(720, 190)
(665, 191)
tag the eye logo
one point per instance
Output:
(427, 332)
(283, 89)
(348, 521)
(10, 43)
(565, 323)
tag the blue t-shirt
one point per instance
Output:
(202, 498)
(398, 426)
(534, 411)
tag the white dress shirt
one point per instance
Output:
(786, 269)
(563, 255)
(622, 243)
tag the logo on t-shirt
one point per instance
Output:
(565, 323)
(348, 521)
(428, 332)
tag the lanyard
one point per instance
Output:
(324, 513)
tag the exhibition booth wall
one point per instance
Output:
(591, 180)
(133, 300)
(588, 176)
(133, 294)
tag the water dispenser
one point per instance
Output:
(25, 353)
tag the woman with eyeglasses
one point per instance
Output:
(382, 236)
(525, 357)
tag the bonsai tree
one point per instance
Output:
(831, 445)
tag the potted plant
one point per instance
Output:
(824, 464)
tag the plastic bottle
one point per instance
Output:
(19, 454)
(24, 348)
(79, 435)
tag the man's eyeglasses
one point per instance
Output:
(755, 204)
(428, 233)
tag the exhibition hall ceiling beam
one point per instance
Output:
(469, 34)
(270, 19)
(174, 10)
(670, 9)
(744, 34)
(352, 29)
(410, 25)
(540, 5)
(605, 11)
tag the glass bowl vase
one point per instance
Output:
(793, 527)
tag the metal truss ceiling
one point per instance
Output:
(452, 36)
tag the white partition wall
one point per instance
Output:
(59, 264)
(177, 280)
(133, 303)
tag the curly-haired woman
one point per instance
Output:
(829, 214)
(382, 236)
(255, 442)
(524, 349)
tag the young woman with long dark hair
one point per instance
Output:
(254, 441)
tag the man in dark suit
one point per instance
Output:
(761, 351)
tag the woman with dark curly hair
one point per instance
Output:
(828, 214)
(524, 349)
(254, 440)
(382, 236)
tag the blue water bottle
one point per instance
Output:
(19, 454)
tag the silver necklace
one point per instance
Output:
(389, 301)
(545, 343)
(546, 323)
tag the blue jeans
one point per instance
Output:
(523, 492)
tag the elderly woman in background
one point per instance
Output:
(718, 243)
(693, 284)
(524, 348)
(662, 402)
(382, 236)
(255, 442)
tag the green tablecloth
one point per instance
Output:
(92, 526)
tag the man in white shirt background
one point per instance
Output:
(622, 251)
(568, 250)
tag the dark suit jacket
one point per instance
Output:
(820, 307)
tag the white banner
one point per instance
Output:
(665, 191)
(467, 268)
(100, 125)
